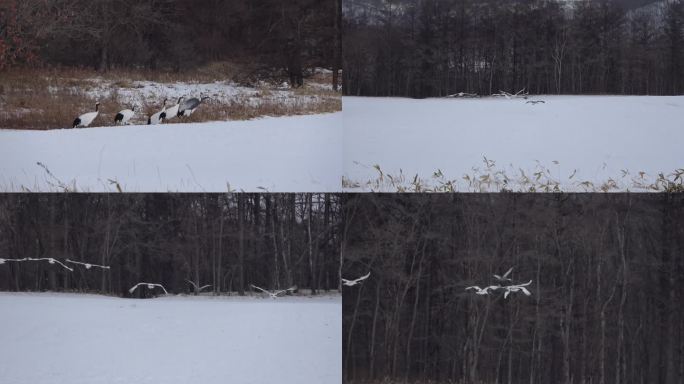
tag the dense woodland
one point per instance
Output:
(431, 48)
(227, 240)
(607, 291)
(290, 36)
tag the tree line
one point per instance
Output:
(607, 277)
(227, 240)
(285, 36)
(432, 48)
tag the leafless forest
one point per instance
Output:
(431, 48)
(177, 34)
(605, 304)
(227, 240)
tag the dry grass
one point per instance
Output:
(242, 109)
(49, 99)
(490, 178)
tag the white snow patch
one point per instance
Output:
(598, 136)
(89, 339)
(282, 154)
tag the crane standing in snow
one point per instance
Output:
(173, 111)
(158, 117)
(124, 116)
(189, 106)
(87, 118)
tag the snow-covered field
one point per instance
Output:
(283, 154)
(569, 139)
(71, 338)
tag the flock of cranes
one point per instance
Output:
(271, 293)
(505, 284)
(52, 260)
(182, 108)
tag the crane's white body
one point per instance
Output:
(50, 260)
(149, 286)
(351, 283)
(124, 116)
(158, 117)
(197, 288)
(87, 118)
(88, 265)
(483, 291)
(274, 294)
(517, 288)
(504, 277)
(173, 111)
(189, 106)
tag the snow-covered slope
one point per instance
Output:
(284, 154)
(86, 339)
(575, 138)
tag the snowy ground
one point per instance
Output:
(283, 154)
(70, 338)
(569, 139)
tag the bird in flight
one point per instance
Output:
(198, 289)
(274, 294)
(351, 283)
(504, 277)
(51, 261)
(517, 288)
(483, 291)
(149, 286)
(87, 265)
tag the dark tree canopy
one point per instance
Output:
(177, 34)
(227, 240)
(432, 48)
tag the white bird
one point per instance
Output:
(198, 289)
(505, 276)
(274, 294)
(149, 286)
(351, 283)
(124, 116)
(85, 119)
(3, 261)
(158, 117)
(189, 106)
(49, 260)
(517, 288)
(483, 291)
(173, 111)
(88, 265)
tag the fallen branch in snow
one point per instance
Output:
(88, 265)
(149, 286)
(535, 102)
